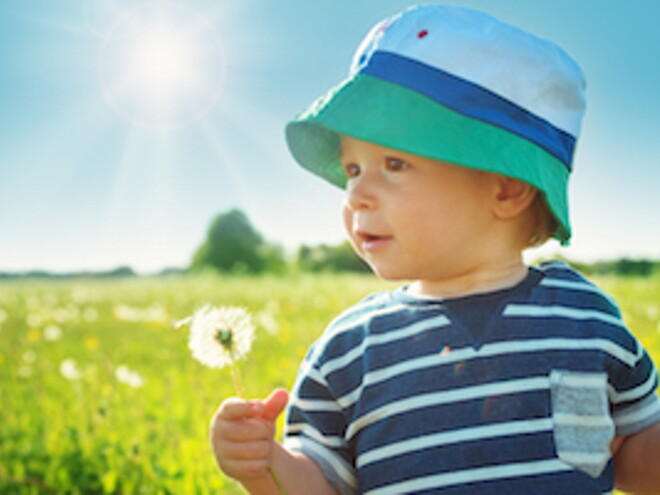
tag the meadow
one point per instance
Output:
(99, 393)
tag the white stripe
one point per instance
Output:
(455, 436)
(314, 405)
(581, 286)
(446, 397)
(357, 321)
(569, 284)
(634, 393)
(556, 264)
(310, 371)
(473, 475)
(489, 350)
(348, 320)
(605, 345)
(561, 312)
(533, 345)
(638, 415)
(331, 441)
(582, 420)
(338, 465)
(389, 336)
(399, 369)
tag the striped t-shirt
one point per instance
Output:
(397, 396)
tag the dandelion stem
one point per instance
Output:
(236, 377)
(238, 386)
(276, 478)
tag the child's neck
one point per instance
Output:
(476, 281)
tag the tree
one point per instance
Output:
(231, 245)
(331, 258)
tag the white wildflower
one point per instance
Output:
(24, 371)
(220, 336)
(52, 333)
(124, 312)
(155, 314)
(128, 377)
(33, 320)
(90, 314)
(29, 356)
(66, 313)
(266, 320)
(70, 370)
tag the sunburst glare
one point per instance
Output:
(161, 65)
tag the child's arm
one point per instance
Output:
(242, 436)
(637, 462)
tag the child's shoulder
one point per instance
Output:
(349, 329)
(566, 285)
(362, 311)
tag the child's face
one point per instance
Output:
(412, 217)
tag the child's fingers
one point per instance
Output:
(234, 408)
(245, 451)
(242, 430)
(245, 469)
(274, 404)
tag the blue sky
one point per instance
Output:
(96, 171)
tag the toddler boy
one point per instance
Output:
(453, 137)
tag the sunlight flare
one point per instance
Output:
(161, 65)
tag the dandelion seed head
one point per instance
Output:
(183, 324)
(128, 377)
(69, 370)
(219, 336)
(52, 333)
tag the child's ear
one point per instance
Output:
(512, 197)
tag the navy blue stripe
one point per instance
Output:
(471, 100)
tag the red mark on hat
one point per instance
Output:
(422, 33)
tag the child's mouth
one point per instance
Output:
(372, 241)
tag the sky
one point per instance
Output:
(126, 126)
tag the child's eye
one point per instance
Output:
(396, 164)
(352, 170)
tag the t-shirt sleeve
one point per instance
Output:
(315, 426)
(635, 403)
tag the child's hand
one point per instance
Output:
(242, 435)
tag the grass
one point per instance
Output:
(97, 432)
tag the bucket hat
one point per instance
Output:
(457, 85)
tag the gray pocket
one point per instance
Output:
(583, 427)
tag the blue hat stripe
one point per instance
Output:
(471, 100)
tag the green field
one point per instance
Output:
(99, 393)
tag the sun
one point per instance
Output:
(161, 65)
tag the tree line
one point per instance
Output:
(233, 245)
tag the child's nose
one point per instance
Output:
(360, 194)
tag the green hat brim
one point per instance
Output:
(367, 108)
